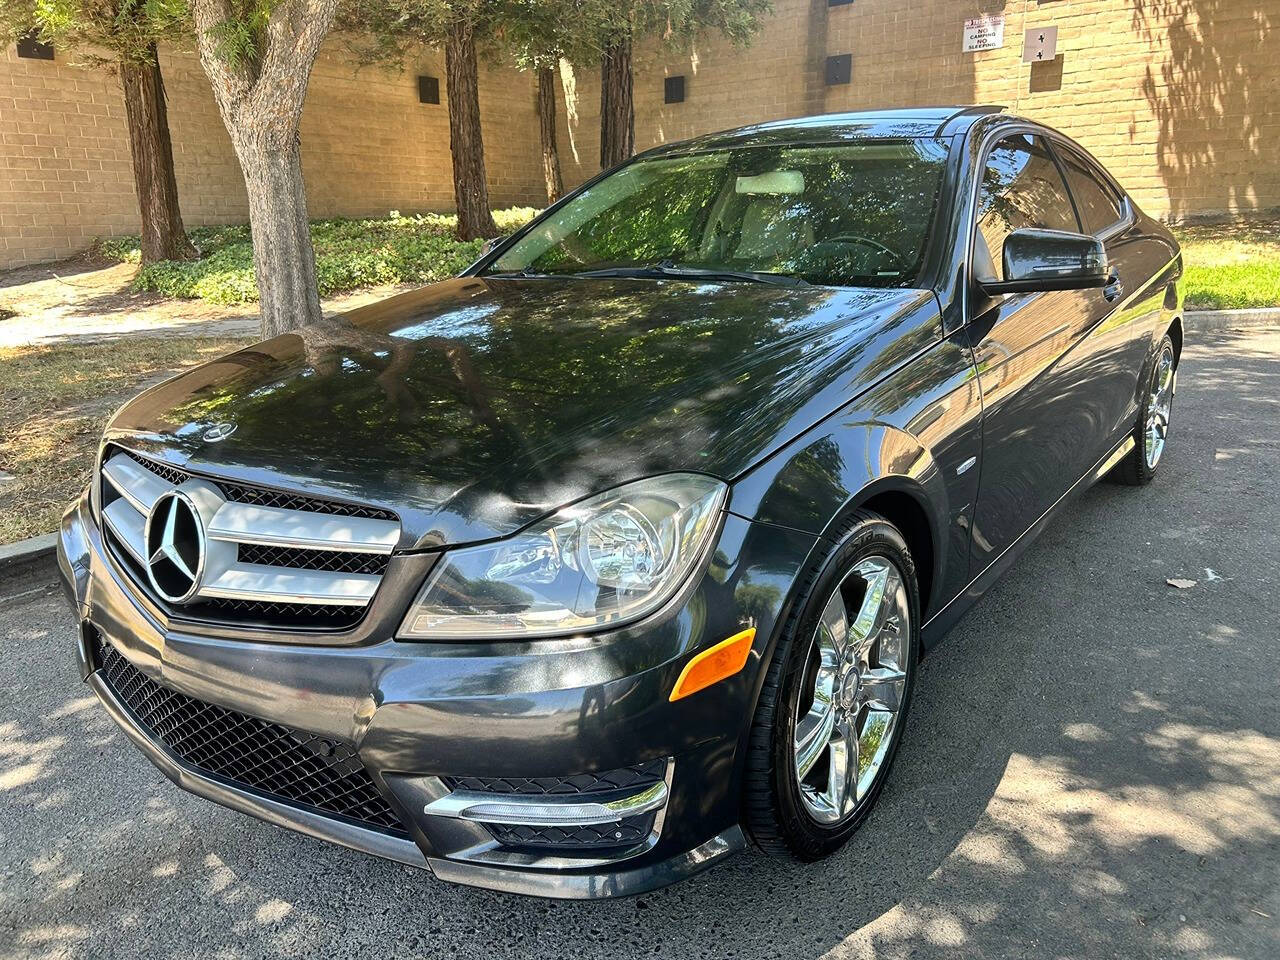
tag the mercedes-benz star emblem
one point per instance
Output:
(175, 547)
(219, 431)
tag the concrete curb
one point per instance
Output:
(16, 557)
(1213, 321)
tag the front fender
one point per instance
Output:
(916, 433)
(839, 469)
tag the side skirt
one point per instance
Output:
(936, 627)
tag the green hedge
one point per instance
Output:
(349, 254)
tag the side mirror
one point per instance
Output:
(488, 246)
(1036, 260)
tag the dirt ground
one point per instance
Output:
(86, 299)
(76, 342)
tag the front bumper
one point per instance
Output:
(418, 716)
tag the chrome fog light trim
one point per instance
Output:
(545, 811)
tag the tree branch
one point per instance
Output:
(295, 32)
(231, 82)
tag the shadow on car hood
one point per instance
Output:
(474, 406)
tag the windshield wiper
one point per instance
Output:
(524, 274)
(667, 268)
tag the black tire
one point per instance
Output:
(1134, 470)
(775, 816)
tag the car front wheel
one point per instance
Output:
(835, 698)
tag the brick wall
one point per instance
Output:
(1180, 98)
(368, 146)
(64, 160)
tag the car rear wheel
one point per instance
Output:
(835, 698)
(1151, 432)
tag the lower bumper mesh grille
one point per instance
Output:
(634, 777)
(624, 833)
(290, 765)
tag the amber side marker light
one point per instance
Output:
(714, 664)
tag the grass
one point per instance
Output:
(349, 254)
(54, 402)
(1231, 265)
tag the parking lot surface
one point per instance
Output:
(1091, 769)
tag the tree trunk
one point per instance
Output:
(260, 100)
(617, 109)
(284, 261)
(163, 237)
(547, 127)
(470, 191)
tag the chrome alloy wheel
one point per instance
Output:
(851, 694)
(1159, 407)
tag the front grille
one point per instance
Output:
(298, 616)
(625, 833)
(337, 561)
(296, 767)
(261, 497)
(300, 562)
(172, 474)
(242, 613)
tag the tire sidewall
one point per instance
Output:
(1140, 435)
(808, 838)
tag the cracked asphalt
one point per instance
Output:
(1092, 769)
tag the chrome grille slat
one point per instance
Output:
(251, 581)
(332, 558)
(276, 527)
(128, 525)
(134, 482)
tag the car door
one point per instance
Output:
(1039, 429)
(1115, 351)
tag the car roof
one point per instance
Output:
(907, 122)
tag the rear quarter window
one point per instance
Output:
(1100, 207)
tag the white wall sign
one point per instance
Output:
(983, 33)
(1040, 45)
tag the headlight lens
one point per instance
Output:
(606, 560)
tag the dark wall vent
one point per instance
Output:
(428, 89)
(839, 69)
(32, 48)
(673, 90)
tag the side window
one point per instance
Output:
(1021, 187)
(1099, 206)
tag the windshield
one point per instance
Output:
(854, 214)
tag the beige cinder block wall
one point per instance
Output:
(1180, 98)
(368, 146)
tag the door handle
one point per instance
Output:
(1114, 288)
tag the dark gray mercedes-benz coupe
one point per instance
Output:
(579, 572)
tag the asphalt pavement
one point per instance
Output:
(1091, 769)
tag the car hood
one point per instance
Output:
(475, 406)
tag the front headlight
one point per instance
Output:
(606, 560)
